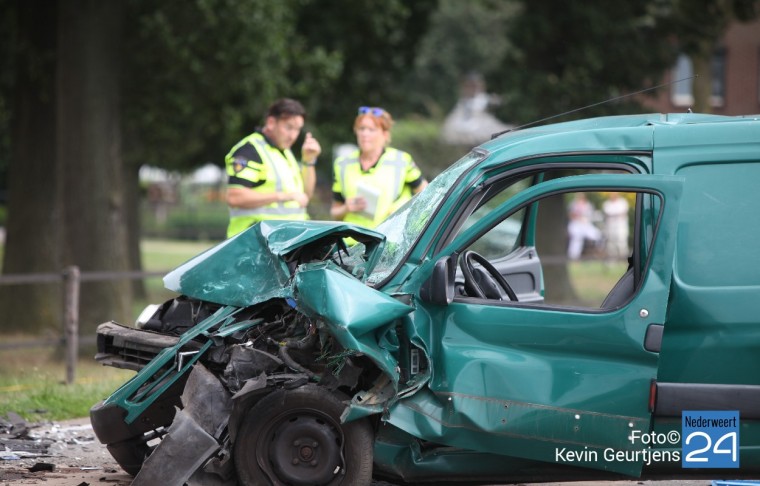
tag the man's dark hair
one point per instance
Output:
(286, 108)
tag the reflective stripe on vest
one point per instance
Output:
(391, 157)
(388, 176)
(275, 209)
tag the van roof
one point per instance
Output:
(611, 133)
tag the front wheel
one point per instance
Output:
(295, 438)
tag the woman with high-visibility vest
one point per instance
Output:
(375, 180)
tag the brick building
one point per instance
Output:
(736, 76)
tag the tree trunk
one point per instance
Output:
(89, 150)
(132, 210)
(702, 84)
(553, 215)
(33, 213)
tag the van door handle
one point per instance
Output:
(653, 338)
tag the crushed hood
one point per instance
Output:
(258, 264)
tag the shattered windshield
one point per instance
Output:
(403, 227)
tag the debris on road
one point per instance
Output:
(62, 453)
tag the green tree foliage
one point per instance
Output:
(199, 75)
(566, 55)
(463, 37)
(376, 43)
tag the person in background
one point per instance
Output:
(265, 180)
(375, 180)
(580, 228)
(615, 210)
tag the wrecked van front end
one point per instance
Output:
(444, 345)
(267, 312)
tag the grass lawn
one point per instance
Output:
(166, 254)
(592, 280)
(32, 384)
(32, 379)
(162, 256)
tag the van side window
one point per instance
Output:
(585, 258)
(505, 236)
(575, 250)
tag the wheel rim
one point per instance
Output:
(302, 448)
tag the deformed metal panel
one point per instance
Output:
(355, 314)
(249, 268)
(184, 449)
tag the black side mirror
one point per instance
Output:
(439, 287)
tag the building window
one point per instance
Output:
(681, 92)
(718, 67)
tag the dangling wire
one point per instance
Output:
(592, 105)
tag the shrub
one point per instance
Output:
(421, 138)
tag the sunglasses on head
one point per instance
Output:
(371, 110)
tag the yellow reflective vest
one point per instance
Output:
(386, 185)
(256, 164)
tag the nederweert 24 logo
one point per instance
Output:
(710, 439)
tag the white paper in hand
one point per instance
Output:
(371, 195)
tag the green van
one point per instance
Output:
(463, 340)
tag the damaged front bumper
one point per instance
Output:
(129, 348)
(239, 355)
(139, 412)
(207, 357)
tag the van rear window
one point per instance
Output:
(719, 231)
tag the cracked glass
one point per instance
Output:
(404, 227)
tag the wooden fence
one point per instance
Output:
(71, 279)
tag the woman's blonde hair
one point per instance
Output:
(381, 117)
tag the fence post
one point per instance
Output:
(71, 279)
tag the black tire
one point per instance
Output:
(295, 438)
(130, 454)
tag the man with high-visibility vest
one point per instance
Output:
(375, 180)
(265, 181)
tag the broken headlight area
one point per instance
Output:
(239, 355)
(159, 327)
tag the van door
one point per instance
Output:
(550, 380)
